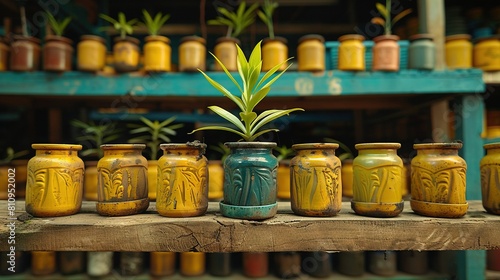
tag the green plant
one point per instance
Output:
(97, 135)
(386, 13)
(11, 155)
(154, 24)
(347, 154)
(121, 25)
(153, 133)
(236, 22)
(266, 15)
(248, 123)
(283, 152)
(57, 26)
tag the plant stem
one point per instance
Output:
(271, 27)
(388, 23)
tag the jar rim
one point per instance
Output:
(457, 37)
(52, 146)
(351, 37)
(451, 145)
(313, 37)
(386, 37)
(193, 38)
(253, 144)
(180, 146)
(420, 36)
(228, 39)
(381, 145)
(92, 37)
(495, 145)
(123, 146)
(161, 38)
(315, 146)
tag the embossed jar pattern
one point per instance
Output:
(316, 188)
(438, 177)
(490, 178)
(182, 187)
(378, 175)
(55, 180)
(122, 180)
(250, 181)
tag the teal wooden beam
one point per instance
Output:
(471, 265)
(329, 83)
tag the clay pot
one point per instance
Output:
(288, 264)
(43, 262)
(378, 175)
(385, 53)
(157, 54)
(422, 52)
(4, 55)
(25, 54)
(215, 180)
(316, 184)
(126, 54)
(99, 263)
(192, 263)
(438, 176)
(122, 180)
(317, 264)
(250, 181)
(55, 180)
(57, 54)
(255, 264)
(71, 262)
(182, 180)
(351, 263)
(382, 263)
(91, 53)
(311, 53)
(490, 178)
(486, 53)
(351, 53)
(162, 263)
(219, 264)
(283, 180)
(192, 54)
(225, 50)
(458, 51)
(274, 52)
(131, 263)
(413, 262)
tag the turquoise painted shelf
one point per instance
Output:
(328, 83)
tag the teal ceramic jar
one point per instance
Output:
(250, 181)
(422, 52)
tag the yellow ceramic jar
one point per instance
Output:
(274, 52)
(215, 180)
(378, 175)
(487, 53)
(458, 51)
(283, 180)
(152, 179)
(55, 180)
(182, 180)
(4, 55)
(122, 180)
(311, 53)
(91, 53)
(347, 178)
(225, 50)
(90, 181)
(157, 54)
(43, 262)
(192, 54)
(126, 54)
(490, 178)
(162, 263)
(351, 53)
(192, 263)
(316, 184)
(438, 180)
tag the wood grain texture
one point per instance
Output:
(87, 231)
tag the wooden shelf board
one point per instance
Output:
(87, 231)
(291, 84)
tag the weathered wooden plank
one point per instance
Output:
(87, 231)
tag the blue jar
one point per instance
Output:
(250, 181)
(422, 52)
